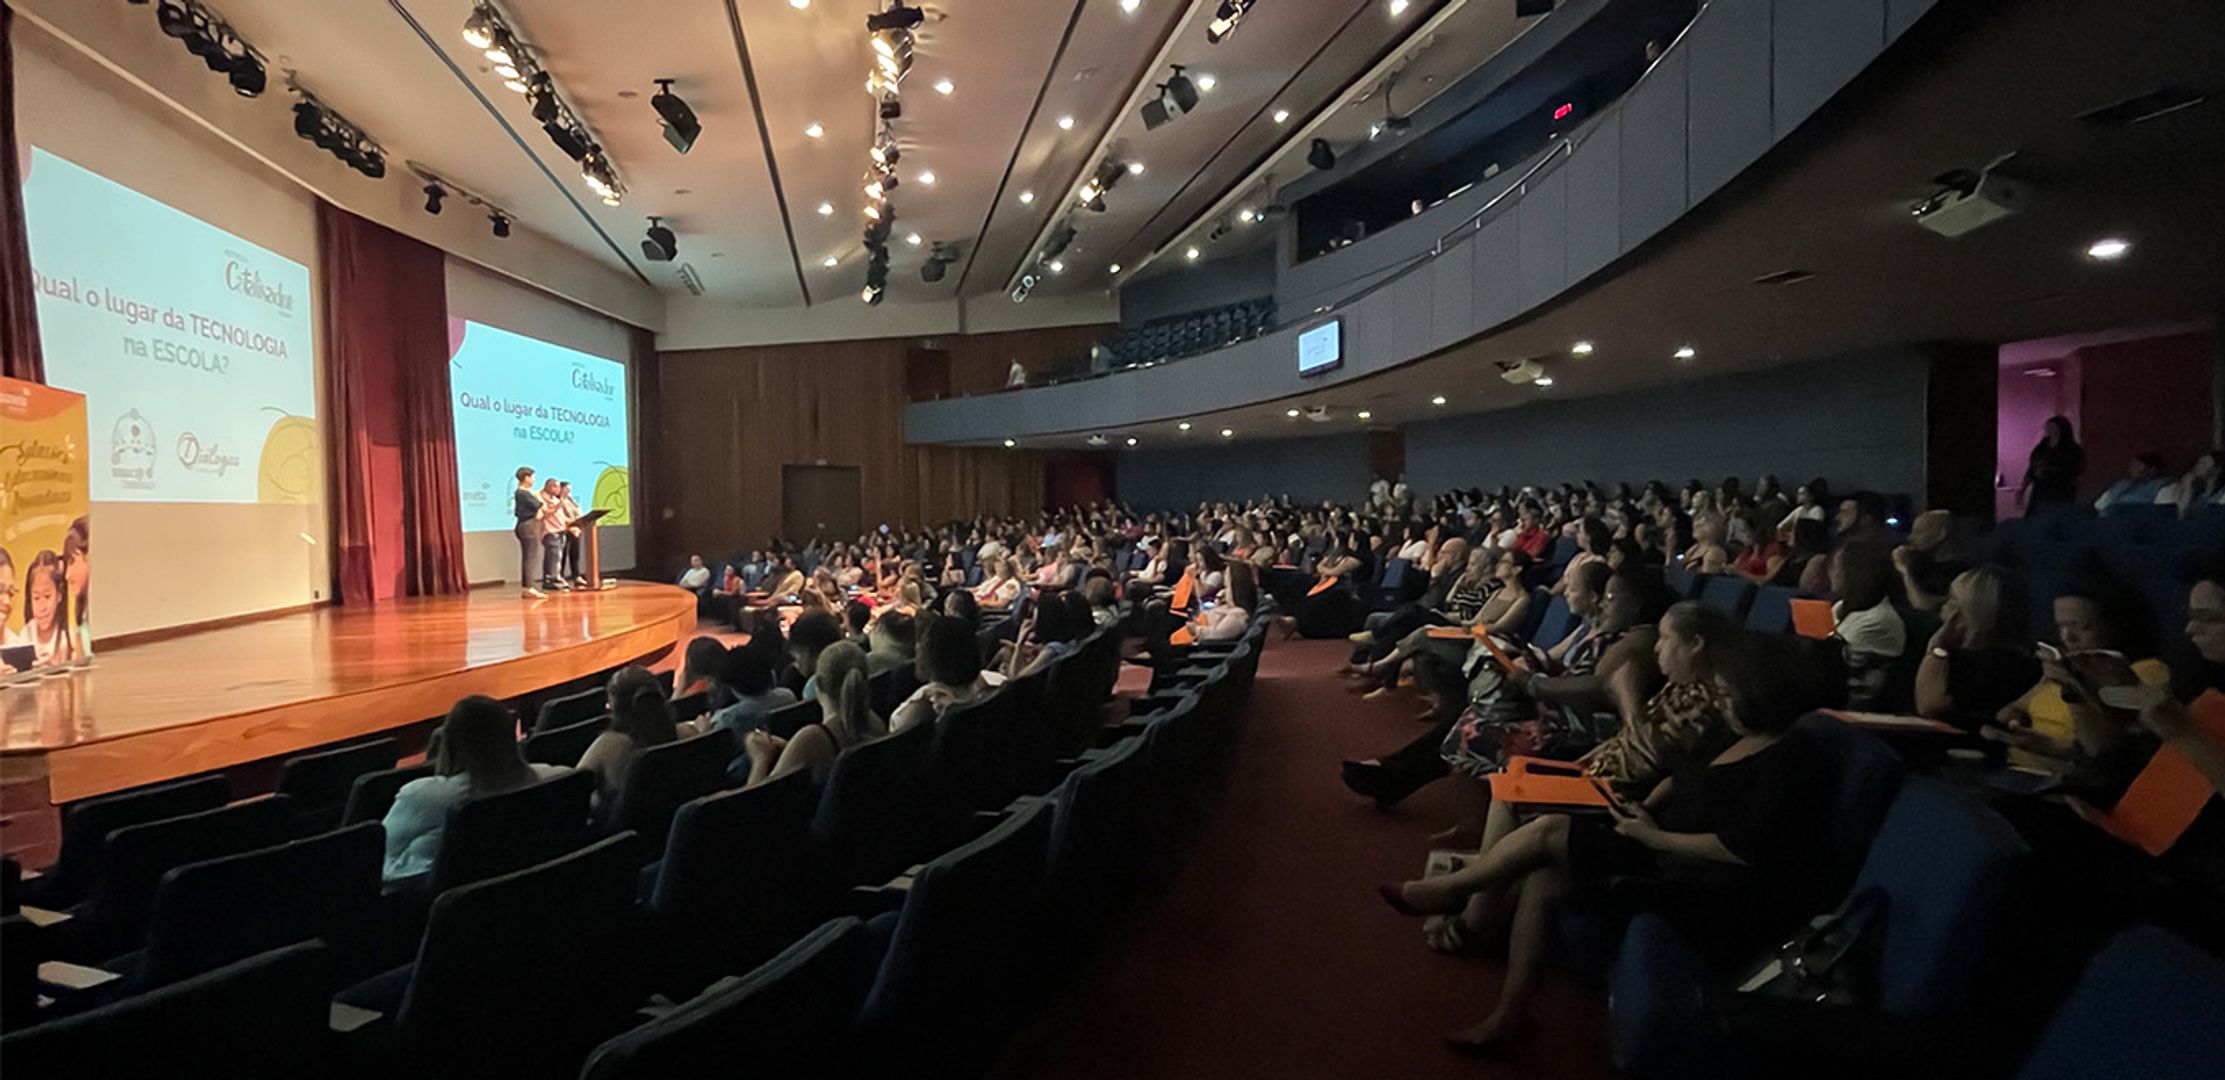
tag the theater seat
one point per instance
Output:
(87, 823)
(790, 1017)
(263, 1018)
(372, 794)
(2147, 1006)
(1556, 623)
(319, 783)
(661, 778)
(1729, 594)
(516, 829)
(572, 708)
(1941, 859)
(1771, 610)
(112, 919)
(213, 913)
(868, 817)
(563, 745)
(736, 881)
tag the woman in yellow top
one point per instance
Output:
(2056, 722)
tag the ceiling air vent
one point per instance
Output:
(2138, 110)
(1784, 277)
(691, 279)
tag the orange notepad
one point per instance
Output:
(2170, 792)
(1894, 722)
(1322, 586)
(1812, 618)
(1530, 781)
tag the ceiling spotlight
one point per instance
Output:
(1130, 6)
(799, 5)
(1225, 19)
(1207, 83)
(681, 127)
(2108, 248)
(899, 16)
(1009, 444)
(479, 29)
(1066, 123)
(1026, 197)
(1581, 348)
(499, 50)
(1363, 414)
(831, 261)
(1228, 433)
(501, 223)
(247, 76)
(1321, 156)
(1183, 426)
(1131, 440)
(434, 193)
(1438, 400)
(1246, 215)
(567, 138)
(1686, 352)
(913, 239)
(516, 86)
(1398, 8)
(944, 86)
(1135, 168)
(660, 245)
(826, 209)
(1191, 254)
(506, 71)
(1282, 115)
(813, 131)
(1113, 269)
(1291, 413)
(928, 178)
(1543, 381)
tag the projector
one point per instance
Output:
(1319, 414)
(1952, 213)
(1520, 372)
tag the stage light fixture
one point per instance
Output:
(541, 91)
(871, 295)
(501, 222)
(1225, 20)
(479, 28)
(1581, 348)
(248, 77)
(899, 16)
(660, 245)
(175, 19)
(503, 50)
(434, 193)
(1321, 156)
(567, 139)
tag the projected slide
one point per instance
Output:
(522, 401)
(192, 346)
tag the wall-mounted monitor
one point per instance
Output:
(1321, 348)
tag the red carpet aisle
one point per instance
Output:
(1269, 954)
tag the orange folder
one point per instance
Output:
(1812, 618)
(1183, 591)
(1893, 722)
(1528, 781)
(2170, 792)
(1322, 586)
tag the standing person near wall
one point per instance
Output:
(2051, 473)
(527, 506)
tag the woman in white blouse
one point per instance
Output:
(998, 588)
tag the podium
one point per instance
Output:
(591, 548)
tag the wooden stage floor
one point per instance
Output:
(272, 687)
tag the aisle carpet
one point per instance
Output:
(1269, 955)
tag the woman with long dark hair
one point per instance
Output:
(2052, 471)
(478, 757)
(640, 718)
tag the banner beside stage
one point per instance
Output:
(45, 529)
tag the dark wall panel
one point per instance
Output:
(1729, 100)
(1653, 146)
(1820, 47)
(1306, 469)
(1542, 237)
(1595, 200)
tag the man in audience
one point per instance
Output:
(697, 579)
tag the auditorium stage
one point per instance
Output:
(272, 687)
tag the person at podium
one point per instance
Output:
(554, 526)
(575, 568)
(527, 506)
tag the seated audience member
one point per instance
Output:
(2145, 483)
(1060, 622)
(1870, 630)
(696, 579)
(748, 677)
(1976, 663)
(845, 720)
(952, 574)
(999, 588)
(948, 664)
(1530, 535)
(2202, 488)
(1862, 517)
(1225, 619)
(1727, 845)
(784, 580)
(477, 756)
(729, 595)
(857, 615)
(640, 718)
(1330, 607)
(1929, 561)
(812, 632)
(2199, 670)
(2060, 725)
(960, 604)
(1104, 606)
(1505, 611)
(700, 665)
(889, 643)
(1708, 554)
(1455, 578)
(1809, 500)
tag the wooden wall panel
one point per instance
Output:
(980, 362)
(730, 418)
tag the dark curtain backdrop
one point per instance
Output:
(19, 316)
(396, 519)
(1078, 478)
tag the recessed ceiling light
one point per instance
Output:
(1026, 197)
(799, 5)
(1008, 444)
(1183, 426)
(944, 87)
(1291, 413)
(831, 261)
(927, 178)
(814, 131)
(1544, 380)
(1113, 269)
(1057, 266)
(826, 209)
(1363, 414)
(1207, 83)
(2108, 248)
(1438, 400)
(913, 239)
(1686, 352)
(1282, 115)
(1066, 123)
(1135, 168)
(1131, 440)
(1581, 348)
(1398, 8)
(1130, 6)
(1228, 433)
(1191, 254)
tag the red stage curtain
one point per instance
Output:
(19, 316)
(1078, 478)
(396, 519)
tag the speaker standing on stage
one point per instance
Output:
(574, 569)
(553, 524)
(527, 506)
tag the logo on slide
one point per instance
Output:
(204, 457)
(132, 451)
(614, 493)
(287, 470)
(583, 379)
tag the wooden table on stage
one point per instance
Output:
(224, 697)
